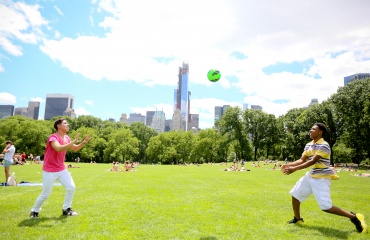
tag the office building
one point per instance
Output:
(193, 122)
(22, 111)
(136, 117)
(245, 106)
(354, 77)
(123, 118)
(168, 125)
(6, 111)
(176, 120)
(59, 105)
(159, 121)
(219, 111)
(313, 101)
(33, 110)
(149, 118)
(256, 107)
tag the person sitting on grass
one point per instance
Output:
(361, 175)
(127, 166)
(116, 167)
(71, 166)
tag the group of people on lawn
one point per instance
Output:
(317, 181)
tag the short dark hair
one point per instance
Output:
(9, 142)
(322, 127)
(57, 122)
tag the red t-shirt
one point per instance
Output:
(53, 160)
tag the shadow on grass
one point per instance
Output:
(330, 232)
(208, 238)
(31, 222)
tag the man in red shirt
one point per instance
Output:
(54, 168)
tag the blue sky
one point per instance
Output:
(123, 56)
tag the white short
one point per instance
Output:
(320, 187)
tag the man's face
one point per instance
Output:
(64, 126)
(315, 132)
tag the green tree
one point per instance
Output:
(207, 146)
(262, 130)
(143, 133)
(161, 149)
(122, 145)
(87, 121)
(231, 124)
(351, 104)
(32, 136)
(91, 151)
(295, 136)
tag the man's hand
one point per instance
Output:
(285, 169)
(87, 138)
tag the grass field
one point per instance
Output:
(178, 202)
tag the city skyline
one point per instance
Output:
(123, 56)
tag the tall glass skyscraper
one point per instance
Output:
(181, 95)
(58, 105)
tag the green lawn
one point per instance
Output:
(178, 202)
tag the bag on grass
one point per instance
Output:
(12, 180)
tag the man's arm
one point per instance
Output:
(302, 163)
(6, 149)
(76, 148)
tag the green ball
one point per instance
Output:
(214, 75)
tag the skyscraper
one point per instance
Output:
(6, 111)
(159, 121)
(22, 111)
(149, 118)
(313, 101)
(136, 117)
(58, 105)
(33, 110)
(123, 118)
(245, 106)
(218, 113)
(176, 120)
(354, 77)
(181, 95)
(193, 121)
(256, 107)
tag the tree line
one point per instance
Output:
(250, 135)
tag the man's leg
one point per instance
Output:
(296, 204)
(48, 179)
(67, 181)
(340, 212)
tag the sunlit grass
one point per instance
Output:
(178, 202)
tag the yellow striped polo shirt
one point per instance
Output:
(321, 169)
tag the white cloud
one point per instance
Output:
(89, 102)
(81, 111)
(38, 99)
(19, 22)
(7, 98)
(205, 33)
(58, 10)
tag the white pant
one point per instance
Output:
(48, 179)
(320, 187)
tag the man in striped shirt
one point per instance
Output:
(318, 180)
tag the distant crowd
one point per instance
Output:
(22, 158)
